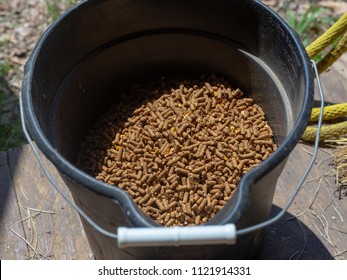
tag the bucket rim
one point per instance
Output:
(133, 214)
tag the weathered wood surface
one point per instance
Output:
(9, 216)
(54, 230)
(46, 221)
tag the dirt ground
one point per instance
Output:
(22, 22)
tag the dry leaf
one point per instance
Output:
(269, 2)
(338, 7)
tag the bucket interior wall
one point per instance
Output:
(98, 81)
(109, 46)
(103, 47)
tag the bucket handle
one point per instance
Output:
(179, 236)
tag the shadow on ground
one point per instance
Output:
(286, 240)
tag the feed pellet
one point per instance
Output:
(179, 147)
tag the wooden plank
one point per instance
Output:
(55, 230)
(11, 247)
(319, 235)
(334, 81)
(283, 240)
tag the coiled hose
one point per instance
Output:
(338, 30)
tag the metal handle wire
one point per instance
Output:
(302, 179)
(52, 179)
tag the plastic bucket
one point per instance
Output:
(102, 47)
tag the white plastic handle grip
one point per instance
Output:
(176, 236)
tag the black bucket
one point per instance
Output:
(102, 47)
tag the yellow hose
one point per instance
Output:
(331, 112)
(335, 31)
(339, 29)
(327, 131)
(333, 55)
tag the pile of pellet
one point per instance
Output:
(178, 147)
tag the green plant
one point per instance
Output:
(308, 24)
(10, 126)
(56, 7)
(4, 43)
(53, 10)
(70, 3)
(11, 135)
